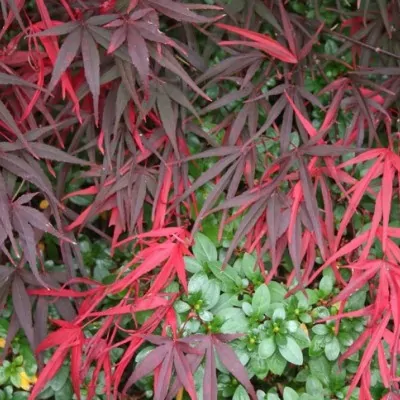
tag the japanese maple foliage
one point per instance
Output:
(144, 121)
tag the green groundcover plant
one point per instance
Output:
(199, 200)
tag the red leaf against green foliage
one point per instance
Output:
(262, 42)
(168, 253)
(385, 164)
(67, 337)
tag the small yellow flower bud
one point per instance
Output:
(43, 204)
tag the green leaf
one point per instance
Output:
(302, 300)
(259, 366)
(292, 326)
(317, 346)
(3, 327)
(8, 390)
(314, 386)
(228, 276)
(248, 263)
(173, 287)
(247, 308)
(331, 47)
(320, 329)
(321, 312)
(277, 292)
(345, 339)
(211, 292)
(301, 338)
(59, 380)
(320, 368)
(279, 314)
(302, 375)
(277, 364)
(332, 349)
(20, 395)
(66, 392)
(100, 272)
(206, 316)
(326, 285)
(261, 300)
(292, 352)
(181, 307)
(312, 297)
(306, 318)
(226, 300)
(47, 393)
(3, 376)
(240, 394)
(267, 347)
(192, 265)
(29, 362)
(197, 282)
(273, 396)
(289, 394)
(306, 396)
(192, 326)
(235, 321)
(337, 377)
(15, 379)
(204, 249)
(261, 395)
(356, 300)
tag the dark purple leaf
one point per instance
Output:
(66, 55)
(177, 11)
(231, 362)
(147, 365)
(25, 198)
(168, 118)
(91, 63)
(58, 30)
(5, 220)
(182, 368)
(326, 150)
(9, 121)
(295, 248)
(52, 153)
(41, 315)
(164, 376)
(23, 308)
(311, 204)
(210, 388)
(139, 55)
(28, 243)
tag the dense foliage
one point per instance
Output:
(199, 193)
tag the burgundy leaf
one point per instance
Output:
(231, 362)
(139, 55)
(311, 205)
(91, 62)
(22, 307)
(66, 55)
